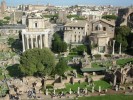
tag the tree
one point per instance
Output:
(109, 17)
(61, 67)
(58, 45)
(80, 49)
(11, 41)
(15, 44)
(7, 18)
(122, 33)
(38, 62)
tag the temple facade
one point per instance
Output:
(38, 34)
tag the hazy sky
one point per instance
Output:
(72, 2)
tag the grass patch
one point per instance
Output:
(75, 86)
(108, 97)
(104, 85)
(104, 64)
(123, 62)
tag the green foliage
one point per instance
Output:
(7, 18)
(103, 84)
(109, 17)
(80, 49)
(6, 21)
(11, 41)
(94, 46)
(50, 16)
(122, 33)
(123, 62)
(1, 22)
(97, 56)
(14, 70)
(15, 44)
(61, 67)
(130, 40)
(38, 62)
(76, 17)
(123, 30)
(107, 55)
(58, 45)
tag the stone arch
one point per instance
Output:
(124, 15)
(130, 20)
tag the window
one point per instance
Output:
(75, 38)
(35, 24)
(70, 27)
(102, 49)
(79, 38)
(96, 28)
(78, 27)
(73, 27)
(104, 28)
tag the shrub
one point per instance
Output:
(107, 55)
(97, 56)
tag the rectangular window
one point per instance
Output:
(75, 38)
(35, 25)
(104, 28)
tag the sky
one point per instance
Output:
(72, 2)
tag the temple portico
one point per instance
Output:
(35, 39)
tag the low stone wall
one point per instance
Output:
(99, 77)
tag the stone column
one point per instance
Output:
(27, 41)
(113, 47)
(23, 42)
(86, 91)
(31, 36)
(120, 49)
(41, 41)
(46, 91)
(116, 88)
(99, 89)
(54, 92)
(78, 92)
(114, 83)
(46, 40)
(92, 90)
(36, 41)
(70, 91)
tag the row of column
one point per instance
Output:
(31, 41)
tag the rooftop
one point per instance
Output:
(77, 23)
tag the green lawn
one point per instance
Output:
(108, 97)
(122, 62)
(104, 64)
(103, 84)
(74, 87)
